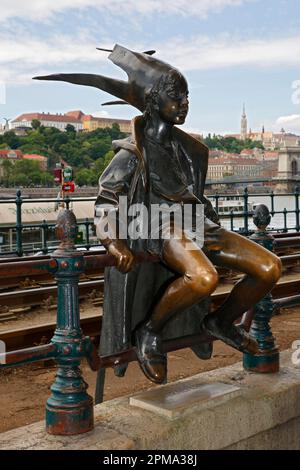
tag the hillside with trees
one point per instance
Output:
(230, 144)
(26, 173)
(88, 153)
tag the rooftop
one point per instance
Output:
(11, 154)
(34, 156)
(232, 161)
(48, 117)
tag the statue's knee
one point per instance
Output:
(277, 268)
(202, 281)
(272, 269)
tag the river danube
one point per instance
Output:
(281, 202)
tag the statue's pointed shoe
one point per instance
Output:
(232, 335)
(203, 351)
(152, 360)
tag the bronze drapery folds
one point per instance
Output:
(161, 164)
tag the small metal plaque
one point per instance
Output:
(174, 400)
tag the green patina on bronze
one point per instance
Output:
(267, 359)
(69, 410)
(147, 306)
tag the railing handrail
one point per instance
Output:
(45, 230)
(69, 410)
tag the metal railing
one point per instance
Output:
(69, 409)
(270, 199)
(39, 238)
(42, 239)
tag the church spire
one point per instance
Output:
(244, 129)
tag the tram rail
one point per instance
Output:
(285, 293)
(32, 291)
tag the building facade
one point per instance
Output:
(59, 121)
(270, 140)
(10, 155)
(91, 123)
(219, 168)
(81, 121)
(289, 162)
(40, 159)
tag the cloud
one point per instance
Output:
(20, 60)
(99, 113)
(290, 122)
(38, 10)
(201, 53)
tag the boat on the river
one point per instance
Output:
(235, 204)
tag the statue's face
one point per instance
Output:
(173, 103)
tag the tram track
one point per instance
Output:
(284, 293)
(37, 296)
(21, 294)
(12, 269)
(35, 292)
(39, 293)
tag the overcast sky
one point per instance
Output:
(231, 51)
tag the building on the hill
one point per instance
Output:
(21, 131)
(76, 118)
(270, 140)
(81, 122)
(11, 155)
(91, 123)
(59, 121)
(218, 168)
(42, 161)
(270, 155)
(14, 155)
(269, 168)
(247, 153)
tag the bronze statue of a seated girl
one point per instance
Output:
(161, 164)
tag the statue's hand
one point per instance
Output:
(124, 256)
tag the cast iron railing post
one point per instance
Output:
(69, 410)
(297, 208)
(285, 220)
(87, 233)
(19, 226)
(246, 227)
(272, 195)
(217, 202)
(267, 359)
(231, 220)
(44, 228)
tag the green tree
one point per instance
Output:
(18, 179)
(230, 144)
(26, 173)
(81, 150)
(12, 140)
(35, 124)
(7, 166)
(70, 129)
(102, 163)
(84, 177)
(47, 179)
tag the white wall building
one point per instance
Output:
(60, 121)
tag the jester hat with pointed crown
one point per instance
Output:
(143, 71)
